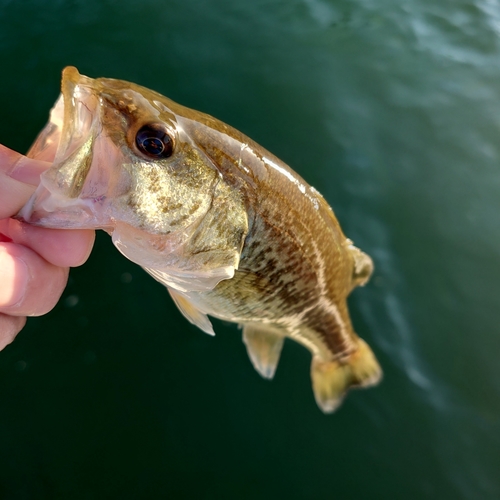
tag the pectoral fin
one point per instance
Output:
(191, 312)
(263, 347)
(332, 379)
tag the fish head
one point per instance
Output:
(122, 161)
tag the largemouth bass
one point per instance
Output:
(227, 227)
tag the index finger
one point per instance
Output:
(19, 176)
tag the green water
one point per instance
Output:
(392, 110)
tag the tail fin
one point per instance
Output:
(332, 379)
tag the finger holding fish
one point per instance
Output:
(31, 286)
(19, 177)
(57, 246)
(34, 261)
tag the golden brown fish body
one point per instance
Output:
(231, 230)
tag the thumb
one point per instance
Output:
(19, 177)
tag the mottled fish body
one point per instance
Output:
(227, 227)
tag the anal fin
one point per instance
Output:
(191, 312)
(264, 348)
(332, 379)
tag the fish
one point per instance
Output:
(230, 230)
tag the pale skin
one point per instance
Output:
(34, 261)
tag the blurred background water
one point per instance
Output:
(391, 109)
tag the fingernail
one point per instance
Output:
(28, 171)
(20, 167)
(14, 278)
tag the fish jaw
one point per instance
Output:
(47, 208)
(80, 189)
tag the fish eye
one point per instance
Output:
(154, 142)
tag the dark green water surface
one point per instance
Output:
(392, 110)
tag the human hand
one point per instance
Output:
(34, 261)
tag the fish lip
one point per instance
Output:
(75, 215)
(58, 132)
(81, 107)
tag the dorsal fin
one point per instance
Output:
(362, 268)
(191, 312)
(264, 347)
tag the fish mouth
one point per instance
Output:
(68, 141)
